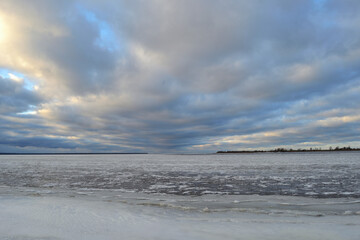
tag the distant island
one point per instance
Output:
(330, 149)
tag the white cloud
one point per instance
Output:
(169, 75)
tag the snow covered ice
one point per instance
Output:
(261, 196)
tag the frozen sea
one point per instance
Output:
(219, 196)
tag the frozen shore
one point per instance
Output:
(86, 216)
(202, 197)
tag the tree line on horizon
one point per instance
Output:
(337, 148)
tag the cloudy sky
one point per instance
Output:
(178, 76)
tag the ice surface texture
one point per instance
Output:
(321, 175)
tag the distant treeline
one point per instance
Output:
(295, 150)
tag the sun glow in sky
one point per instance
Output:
(2, 30)
(178, 76)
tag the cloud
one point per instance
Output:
(179, 76)
(14, 97)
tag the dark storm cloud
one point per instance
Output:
(182, 76)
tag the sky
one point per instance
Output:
(178, 76)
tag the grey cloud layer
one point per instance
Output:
(14, 98)
(183, 76)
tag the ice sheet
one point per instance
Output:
(261, 196)
(46, 217)
(321, 175)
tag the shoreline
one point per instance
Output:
(283, 150)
